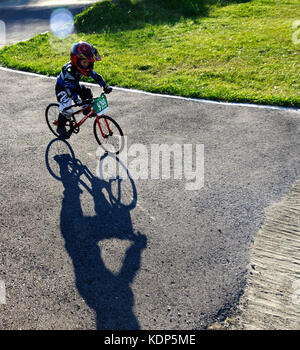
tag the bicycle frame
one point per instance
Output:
(91, 114)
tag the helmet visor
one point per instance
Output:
(96, 54)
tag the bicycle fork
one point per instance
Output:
(110, 133)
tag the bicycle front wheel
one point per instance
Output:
(108, 134)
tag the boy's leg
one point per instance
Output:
(64, 101)
(61, 121)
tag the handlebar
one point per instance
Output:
(85, 102)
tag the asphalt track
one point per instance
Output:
(160, 257)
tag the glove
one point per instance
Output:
(107, 89)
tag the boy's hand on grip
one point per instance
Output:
(107, 89)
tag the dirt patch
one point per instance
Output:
(271, 299)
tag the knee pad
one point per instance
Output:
(64, 102)
(67, 114)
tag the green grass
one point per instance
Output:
(240, 51)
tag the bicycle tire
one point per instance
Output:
(122, 197)
(51, 119)
(101, 140)
(48, 119)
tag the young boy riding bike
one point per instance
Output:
(83, 55)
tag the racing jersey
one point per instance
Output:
(69, 78)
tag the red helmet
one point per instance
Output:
(85, 51)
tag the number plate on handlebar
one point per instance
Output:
(100, 104)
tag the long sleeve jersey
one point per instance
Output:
(69, 78)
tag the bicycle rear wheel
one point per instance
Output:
(52, 113)
(108, 134)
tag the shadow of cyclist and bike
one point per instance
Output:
(107, 293)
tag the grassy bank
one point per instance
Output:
(238, 51)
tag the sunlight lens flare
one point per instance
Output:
(62, 23)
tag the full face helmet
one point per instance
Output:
(84, 51)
